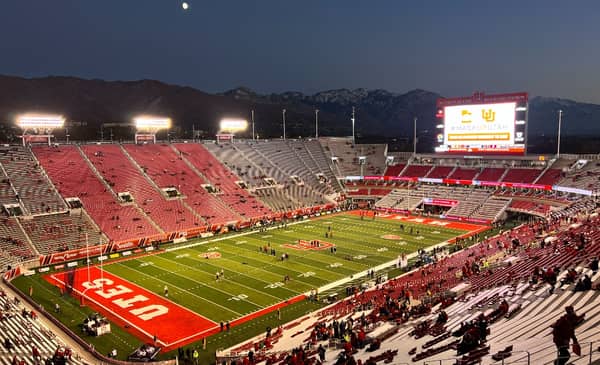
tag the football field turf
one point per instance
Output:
(253, 281)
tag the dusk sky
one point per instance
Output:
(548, 48)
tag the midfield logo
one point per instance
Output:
(309, 245)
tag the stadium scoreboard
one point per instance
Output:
(482, 124)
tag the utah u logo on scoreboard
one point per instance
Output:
(488, 115)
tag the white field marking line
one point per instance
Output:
(432, 237)
(131, 283)
(228, 237)
(232, 282)
(181, 289)
(382, 266)
(312, 258)
(191, 336)
(247, 315)
(348, 228)
(269, 264)
(108, 310)
(356, 248)
(201, 284)
(255, 268)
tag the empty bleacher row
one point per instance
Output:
(292, 158)
(253, 173)
(491, 209)
(401, 199)
(346, 156)
(223, 179)
(32, 189)
(548, 176)
(283, 174)
(473, 202)
(62, 231)
(530, 207)
(27, 336)
(491, 273)
(124, 176)
(324, 164)
(167, 169)
(372, 188)
(74, 178)
(14, 246)
(582, 174)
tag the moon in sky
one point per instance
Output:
(185, 5)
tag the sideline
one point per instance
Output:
(191, 245)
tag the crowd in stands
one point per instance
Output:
(25, 340)
(541, 255)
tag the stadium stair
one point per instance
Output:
(89, 163)
(228, 204)
(74, 177)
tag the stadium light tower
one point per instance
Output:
(229, 127)
(560, 112)
(316, 123)
(253, 135)
(353, 119)
(283, 115)
(38, 128)
(415, 136)
(147, 127)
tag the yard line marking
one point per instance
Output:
(315, 257)
(290, 272)
(181, 289)
(226, 279)
(199, 243)
(204, 283)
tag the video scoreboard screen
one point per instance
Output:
(482, 124)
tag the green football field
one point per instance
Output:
(254, 279)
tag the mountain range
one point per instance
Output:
(89, 104)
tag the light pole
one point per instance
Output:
(415, 136)
(283, 112)
(560, 112)
(353, 121)
(316, 123)
(253, 135)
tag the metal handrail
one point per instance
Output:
(589, 346)
(587, 352)
(524, 358)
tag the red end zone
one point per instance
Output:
(470, 227)
(142, 312)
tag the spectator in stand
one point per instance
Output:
(587, 282)
(583, 284)
(594, 265)
(470, 340)
(36, 354)
(563, 330)
(442, 317)
(321, 351)
(570, 278)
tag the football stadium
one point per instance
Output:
(240, 250)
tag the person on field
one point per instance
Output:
(166, 289)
